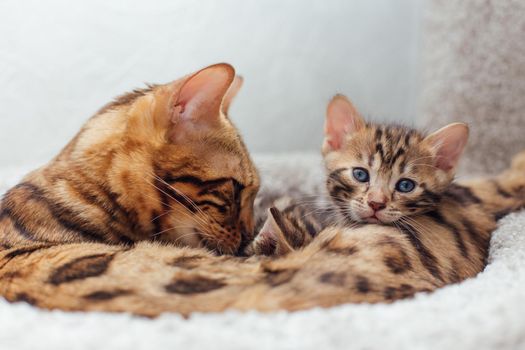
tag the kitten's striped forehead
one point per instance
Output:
(390, 146)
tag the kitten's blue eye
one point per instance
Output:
(405, 185)
(361, 174)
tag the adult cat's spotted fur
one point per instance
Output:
(54, 268)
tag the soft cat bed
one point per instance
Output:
(485, 312)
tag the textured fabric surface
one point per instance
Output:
(474, 71)
(485, 312)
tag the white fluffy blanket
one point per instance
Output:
(486, 312)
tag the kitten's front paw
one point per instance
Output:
(270, 241)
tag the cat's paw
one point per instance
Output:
(271, 240)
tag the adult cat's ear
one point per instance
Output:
(197, 103)
(232, 92)
(342, 120)
(448, 144)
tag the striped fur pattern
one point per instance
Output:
(371, 263)
(461, 210)
(55, 267)
(384, 156)
(441, 225)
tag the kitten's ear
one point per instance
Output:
(197, 103)
(342, 119)
(232, 92)
(448, 144)
(271, 239)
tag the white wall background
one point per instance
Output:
(60, 60)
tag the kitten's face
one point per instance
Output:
(383, 174)
(179, 163)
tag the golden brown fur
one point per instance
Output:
(142, 170)
(61, 249)
(372, 263)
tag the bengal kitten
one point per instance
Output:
(389, 175)
(162, 163)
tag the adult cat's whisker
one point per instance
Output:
(189, 200)
(176, 200)
(161, 215)
(202, 233)
(178, 239)
(181, 209)
(183, 195)
(169, 229)
(187, 226)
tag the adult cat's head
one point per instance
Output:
(173, 161)
(382, 173)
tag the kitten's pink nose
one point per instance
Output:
(376, 206)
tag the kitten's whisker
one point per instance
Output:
(317, 201)
(420, 158)
(427, 165)
(421, 228)
(414, 225)
(318, 211)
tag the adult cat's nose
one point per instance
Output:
(376, 206)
